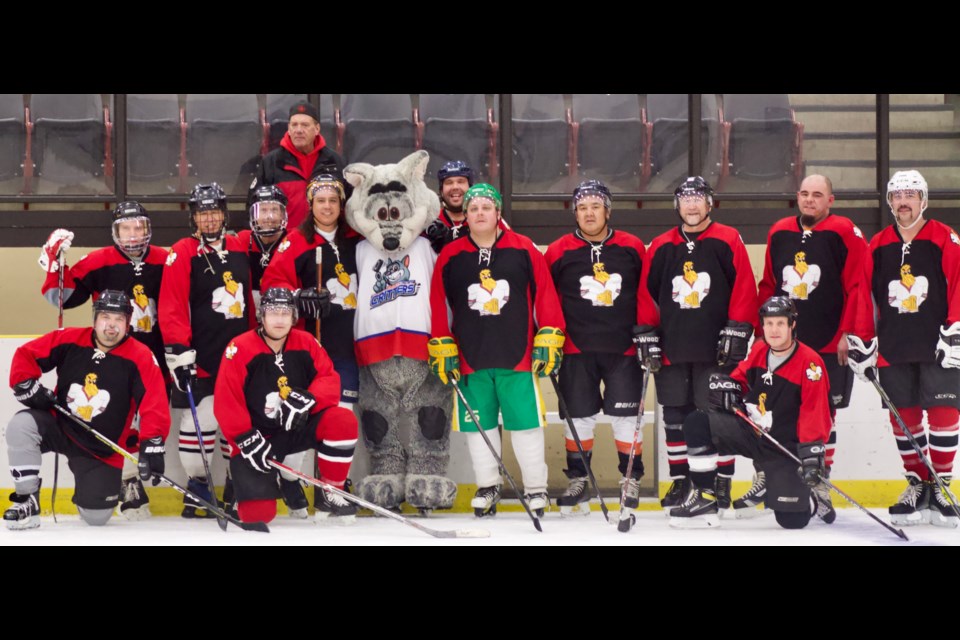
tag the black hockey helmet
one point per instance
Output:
(779, 306)
(113, 301)
(277, 298)
(453, 169)
(693, 186)
(267, 194)
(131, 211)
(592, 188)
(208, 197)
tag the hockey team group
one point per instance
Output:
(341, 314)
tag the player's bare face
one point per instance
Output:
(778, 333)
(303, 131)
(592, 218)
(905, 206)
(110, 328)
(452, 192)
(131, 234)
(694, 212)
(326, 209)
(482, 217)
(209, 222)
(814, 200)
(277, 322)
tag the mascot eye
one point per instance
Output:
(394, 213)
(382, 213)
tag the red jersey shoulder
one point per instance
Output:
(136, 352)
(722, 232)
(244, 347)
(624, 239)
(671, 237)
(300, 340)
(884, 237)
(810, 362)
(785, 224)
(156, 255)
(560, 246)
(234, 243)
(295, 244)
(942, 234)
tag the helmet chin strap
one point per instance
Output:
(912, 224)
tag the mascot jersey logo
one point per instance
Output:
(908, 293)
(271, 404)
(144, 311)
(602, 288)
(490, 296)
(691, 288)
(343, 288)
(393, 281)
(228, 299)
(759, 413)
(800, 279)
(87, 401)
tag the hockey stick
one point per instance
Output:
(871, 374)
(576, 439)
(246, 526)
(60, 260)
(221, 521)
(503, 469)
(319, 283)
(625, 521)
(761, 432)
(456, 533)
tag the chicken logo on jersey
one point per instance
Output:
(274, 399)
(759, 413)
(171, 258)
(228, 299)
(284, 245)
(490, 296)
(801, 279)
(88, 400)
(144, 311)
(909, 292)
(814, 372)
(392, 281)
(691, 288)
(602, 288)
(230, 351)
(343, 288)
(954, 238)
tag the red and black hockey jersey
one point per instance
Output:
(254, 381)
(821, 270)
(206, 299)
(104, 390)
(459, 229)
(257, 258)
(109, 268)
(496, 297)
(698, 282)
(597, 284)
(916, 290)
(294, 266)
(792, 402)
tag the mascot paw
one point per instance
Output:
(383, 490)
(430, 492)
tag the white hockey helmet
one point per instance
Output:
(908, 180)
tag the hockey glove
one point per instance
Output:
(58, 241)
(647, 341)
(811, 456)
(862, 357)
(295, 410)
(547, 351)
(444, 358)
(313, 303)
(255, 449)
(734, 339)
(34, 395)
(151, 463)
(724, 393)
(948, 347)
(439, 235)
(183, 366)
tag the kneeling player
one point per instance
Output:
(783, 388)
(277, 394)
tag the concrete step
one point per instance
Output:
(866, 99)
(818, 121)
(864, 148)
(860, 175)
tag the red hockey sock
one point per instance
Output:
(257, 510)
(913, 418)
(944, 432)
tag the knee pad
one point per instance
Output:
(696, 431)
(337, 424)
(375, 426)
(676, 415)
(912, 417)
(433, 422)
(585, 428)
(624, 427)
(792, 519)
(23, 432)
(942, 418)
(95, 517)
(257, 510)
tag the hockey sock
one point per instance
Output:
(726, 465)
(485, 466)
(913, 418)
(528, 447)
(676, 451)
(944, 431)
(257, 510)
(336, 440)
(585, 428)
(831, 443)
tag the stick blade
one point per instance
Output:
(255, 526)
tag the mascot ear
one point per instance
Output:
(357, 172)
(414, 166)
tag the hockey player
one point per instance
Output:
(596, 271)
(268, 227)
(276, 394)
(454, 177)
(816, 260)
(103, 377)
(497, 287)
(205, 301)
(131, 265)
(334, 299)
(699, 277)
(914, 267)
(783, 388)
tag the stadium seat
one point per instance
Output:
(610, 139)
(224, 138)
(543, 143)
(378, 128)
(459, 127)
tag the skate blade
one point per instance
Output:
(325, 519)
(22, 525)
(299, 514)
(937, 519)
(748, 513)
(699, 522)
(137, 515)
(909, 519)
(582, 509)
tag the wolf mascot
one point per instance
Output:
(404, 410)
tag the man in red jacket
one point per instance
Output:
(303, 155)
